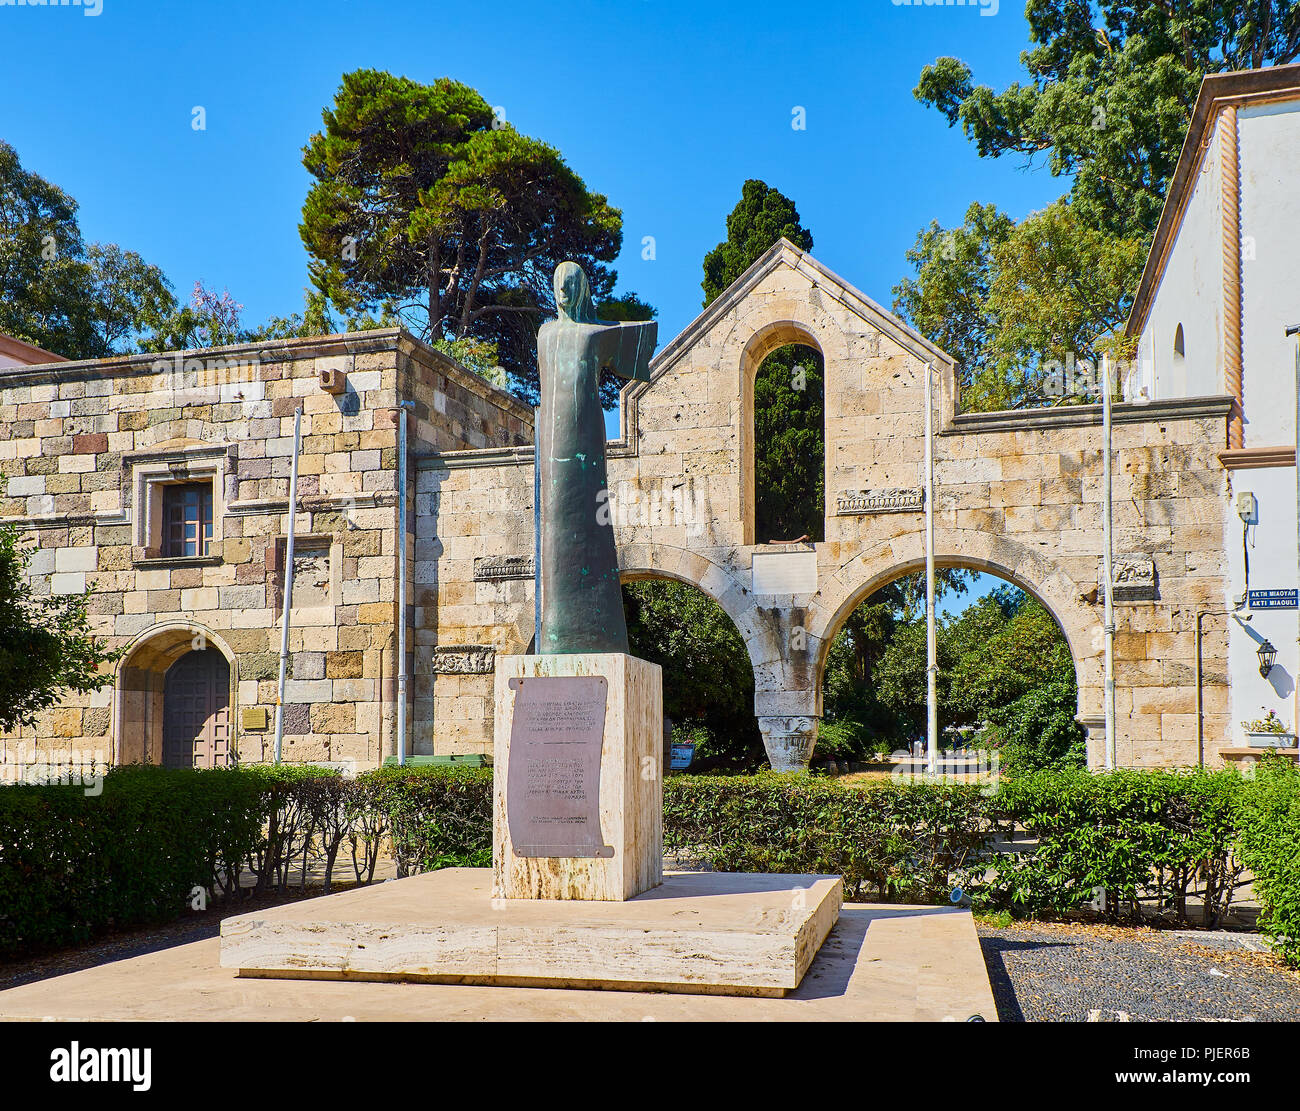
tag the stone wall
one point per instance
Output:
(92, 445)
(1018, 495)
(91, 448)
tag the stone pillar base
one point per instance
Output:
(574, 823)
(789, 741)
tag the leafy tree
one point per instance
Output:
(948, 299)
(1039, 730)
(1007, 645)
(82, 301)
(708, 679)
(211, 319)
(1061, 286)
(789, 401)
(46, 645)
(1107, 104)
(853, 698)
(761, 217)
(1005, 299)
(426, 203)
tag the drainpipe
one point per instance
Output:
(1294, 330)
(288, 583)
(931, 650)
(1107, 559)
(403, 410)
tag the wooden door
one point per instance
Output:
(196, 711)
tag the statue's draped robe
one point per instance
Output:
(582, 602)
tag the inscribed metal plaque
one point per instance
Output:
(553, 778)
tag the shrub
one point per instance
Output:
(899, 842)
(439, 817)
(1039, 730)
(1104, 839)
(291, 806)
(1268, 817)
(73, 866)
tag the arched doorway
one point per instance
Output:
(175, 699)
(196, 712)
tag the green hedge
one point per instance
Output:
(73, 865)
(1102, 840)
(1269, 825)
(438, 817)
(894, 842)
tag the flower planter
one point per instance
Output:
(1271, 740)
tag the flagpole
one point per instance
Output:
(1107, 561)
(288, 583)
(931, 649)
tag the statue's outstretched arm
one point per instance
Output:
(626, 348)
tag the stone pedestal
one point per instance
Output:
(697, 932)
(578, 777)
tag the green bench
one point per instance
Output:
(466, 760)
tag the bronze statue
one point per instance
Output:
(582, 602)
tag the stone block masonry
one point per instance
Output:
(92, 449)
(93, 456)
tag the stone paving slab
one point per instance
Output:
(880, 962)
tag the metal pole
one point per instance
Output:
(1107, 559)
(1200, 701)
(288, 583)
(1294, 330)
(403, 410)
(931, 650)
(537, 532)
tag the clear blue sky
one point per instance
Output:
(665, 106)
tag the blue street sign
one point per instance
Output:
(680, 757)
(1273, 599)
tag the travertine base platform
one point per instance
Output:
(628, 796)
(706, 932)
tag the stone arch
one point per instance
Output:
(666, 561)
(139, 682)
(1037, 575)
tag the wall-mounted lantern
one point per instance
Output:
(1267, 657)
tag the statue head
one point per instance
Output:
(573, 294)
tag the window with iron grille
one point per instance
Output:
(187, 519)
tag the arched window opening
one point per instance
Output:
(790, 446)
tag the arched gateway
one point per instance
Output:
(1017, 494)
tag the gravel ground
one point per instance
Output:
(1049, 972)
